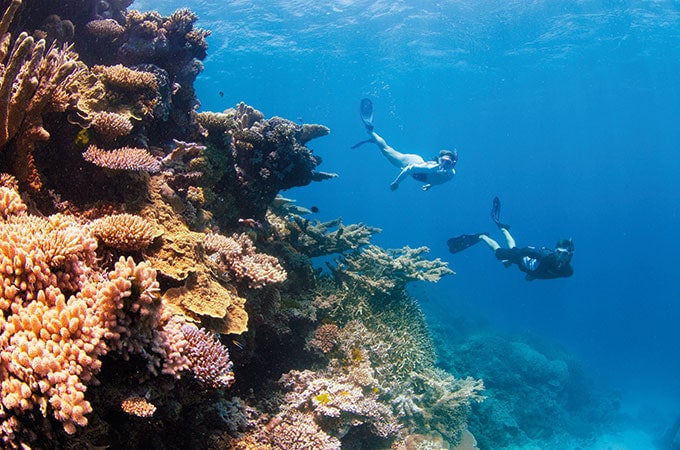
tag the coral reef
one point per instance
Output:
(126, 158)
(385, 270)
(316, 239)
(537, 395)
(157, 291)
(31, 75)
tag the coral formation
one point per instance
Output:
(110, 126)
(385, 270)
(31, 75)
(149, 267)
(125, 232)
(138, 406)
(125, 158)
(316, 239)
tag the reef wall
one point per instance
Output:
(157, 289)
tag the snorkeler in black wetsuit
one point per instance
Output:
(538, 263)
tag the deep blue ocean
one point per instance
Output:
(569, 111)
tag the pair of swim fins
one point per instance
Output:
(460, 243)
(366, 113)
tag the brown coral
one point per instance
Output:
(125, 158)
(32, 74)
(124, 79)
(105, 29)
(125, 232)
(325, 338)
(110, 126)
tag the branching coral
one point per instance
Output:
(208, 358)
(385, 270)
(125, 232)
(125, 79)
(29, 77)
(317, 239)
(125, 158)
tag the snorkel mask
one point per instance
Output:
(448, 158)
(564, 250)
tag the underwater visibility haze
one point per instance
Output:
(568, 111)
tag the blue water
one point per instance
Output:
(569, 111)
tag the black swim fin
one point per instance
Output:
(367, 112)
(359, 144)
(460, 243)
(496, 214)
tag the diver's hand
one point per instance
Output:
(394, 186)
(426, 187)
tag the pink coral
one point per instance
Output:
(209, 359)
(125, 232)
(237, 256)
(125, 158)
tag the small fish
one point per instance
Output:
(221, 94)
(300, 119)
(252, 223)
(314, 209)
(237, 344)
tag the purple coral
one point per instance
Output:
(209, 359)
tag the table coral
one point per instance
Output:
(385, 270)
(327, 238)
(125, 158)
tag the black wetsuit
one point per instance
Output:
(538, 263)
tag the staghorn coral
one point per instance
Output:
(124, 232)
(385, 270)
(236, 257)
(125, 158)
(316, 239)
(110, 126)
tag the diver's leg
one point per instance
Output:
(509, 238)
(398, 159)
(493, 245)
